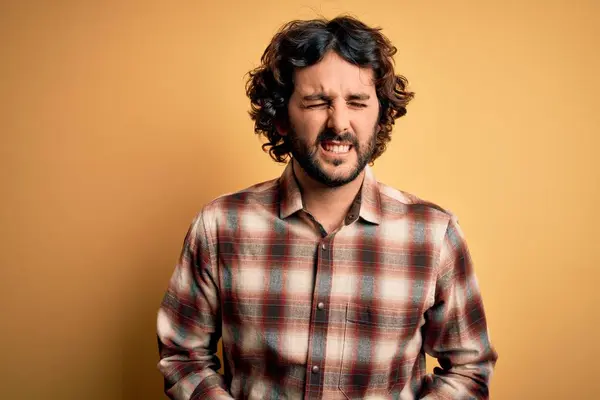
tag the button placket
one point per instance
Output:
(319, 319)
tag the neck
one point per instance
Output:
(329, 205)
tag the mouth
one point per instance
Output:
(337, 148)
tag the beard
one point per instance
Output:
(306, 155)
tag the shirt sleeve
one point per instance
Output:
(189, 323)
(456, 330)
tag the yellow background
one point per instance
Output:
(120, 119)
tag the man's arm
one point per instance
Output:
(456, 330)
(189, 323)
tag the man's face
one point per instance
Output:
(333, 115)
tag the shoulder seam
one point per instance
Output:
(417, 201)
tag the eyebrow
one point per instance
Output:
(323, 96)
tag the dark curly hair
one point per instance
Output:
(303, 43)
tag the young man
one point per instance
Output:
(324, 283)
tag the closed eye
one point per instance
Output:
(317, 105)
(321, 105)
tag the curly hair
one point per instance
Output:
(300, 44)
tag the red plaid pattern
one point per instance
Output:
(307, 314)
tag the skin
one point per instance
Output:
(333, 114)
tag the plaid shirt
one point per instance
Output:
(308, 314)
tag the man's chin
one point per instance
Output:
(337, 178)
(327, 173)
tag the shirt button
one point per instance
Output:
(324, 246)
(320, 306)
(315, 369)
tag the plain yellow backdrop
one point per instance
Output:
(120, 119)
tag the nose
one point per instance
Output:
(339, 120)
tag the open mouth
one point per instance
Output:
(336, 147)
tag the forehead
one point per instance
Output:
(334, 76)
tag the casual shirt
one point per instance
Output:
(305, 313)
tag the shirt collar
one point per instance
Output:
(370, 202)
(367, 200)
(289, 193)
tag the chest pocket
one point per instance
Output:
(373, 349)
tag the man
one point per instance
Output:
(324, 283)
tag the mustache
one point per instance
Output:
(331, 135)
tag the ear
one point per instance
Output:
(281, 127)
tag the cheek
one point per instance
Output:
(308, 125)
(366, 126)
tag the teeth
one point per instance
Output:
(337, 148)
